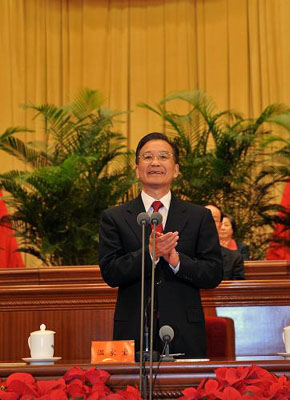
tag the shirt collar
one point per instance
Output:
(148, 200)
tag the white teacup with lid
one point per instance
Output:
(41, 343)
(286, 338)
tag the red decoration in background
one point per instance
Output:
(277, 251)
(9, 258)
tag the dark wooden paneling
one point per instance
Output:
(75, 329)
(78, 306)
(265, 269)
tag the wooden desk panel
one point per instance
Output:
(264, 269)
(79, 306)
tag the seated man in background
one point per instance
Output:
(233, 263)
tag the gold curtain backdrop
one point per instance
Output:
(238, 51)
(138, 50)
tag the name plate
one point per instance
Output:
(113, 351)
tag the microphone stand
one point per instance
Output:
(142, 385)
(152, 312)
(143, 219)
(167, 357)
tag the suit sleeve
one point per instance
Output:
(203, 269)
(244, 250)
(238, 267)
(119, 266)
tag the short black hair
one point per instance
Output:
(232, 221)
(216, 206)
(157, 136)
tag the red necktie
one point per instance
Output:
(156, 207)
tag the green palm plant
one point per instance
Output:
(225, 159)
(81, 168)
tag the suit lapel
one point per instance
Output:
(134, 208)
(177, 216)
(176, 219)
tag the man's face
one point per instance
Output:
(156, 168)
(216, 214)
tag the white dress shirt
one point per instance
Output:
(165, 200)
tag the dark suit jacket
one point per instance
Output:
(178, 298)
(244, 250)
(233, 264)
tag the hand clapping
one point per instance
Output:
(166, 247)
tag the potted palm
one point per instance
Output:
(231, 161)
(82, 168)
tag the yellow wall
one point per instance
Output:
(138, 50)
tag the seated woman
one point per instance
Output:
(227, 233)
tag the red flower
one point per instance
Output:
(44, 387)
(114, 396)
(190, 394)
(57, 394)
(130, 393)
(232, 376)
(242, 383)
(211, 389)
(253, 392)
(94, 375)
(76, 388)
(74, 373)
(99, 390)
(280, 389)
(231, 393)
(8, 395)
(20, 376)
(23, 389)
(246, 383)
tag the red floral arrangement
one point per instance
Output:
(245, 383)
(242, 383)
(76, 384)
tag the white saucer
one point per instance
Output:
(285, 355)
(41, 361)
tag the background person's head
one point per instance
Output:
(228, 227)
(216, 214)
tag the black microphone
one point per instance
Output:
(166, 333)
(156, 218)
(143, 219)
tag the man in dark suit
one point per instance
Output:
(233, 262)
(188, 254)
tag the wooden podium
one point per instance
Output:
(76, 304)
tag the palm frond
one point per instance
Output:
(82, 171)
(224, 159)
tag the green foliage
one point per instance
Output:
(82, 169)
(225, 159)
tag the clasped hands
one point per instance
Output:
(165, 246)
